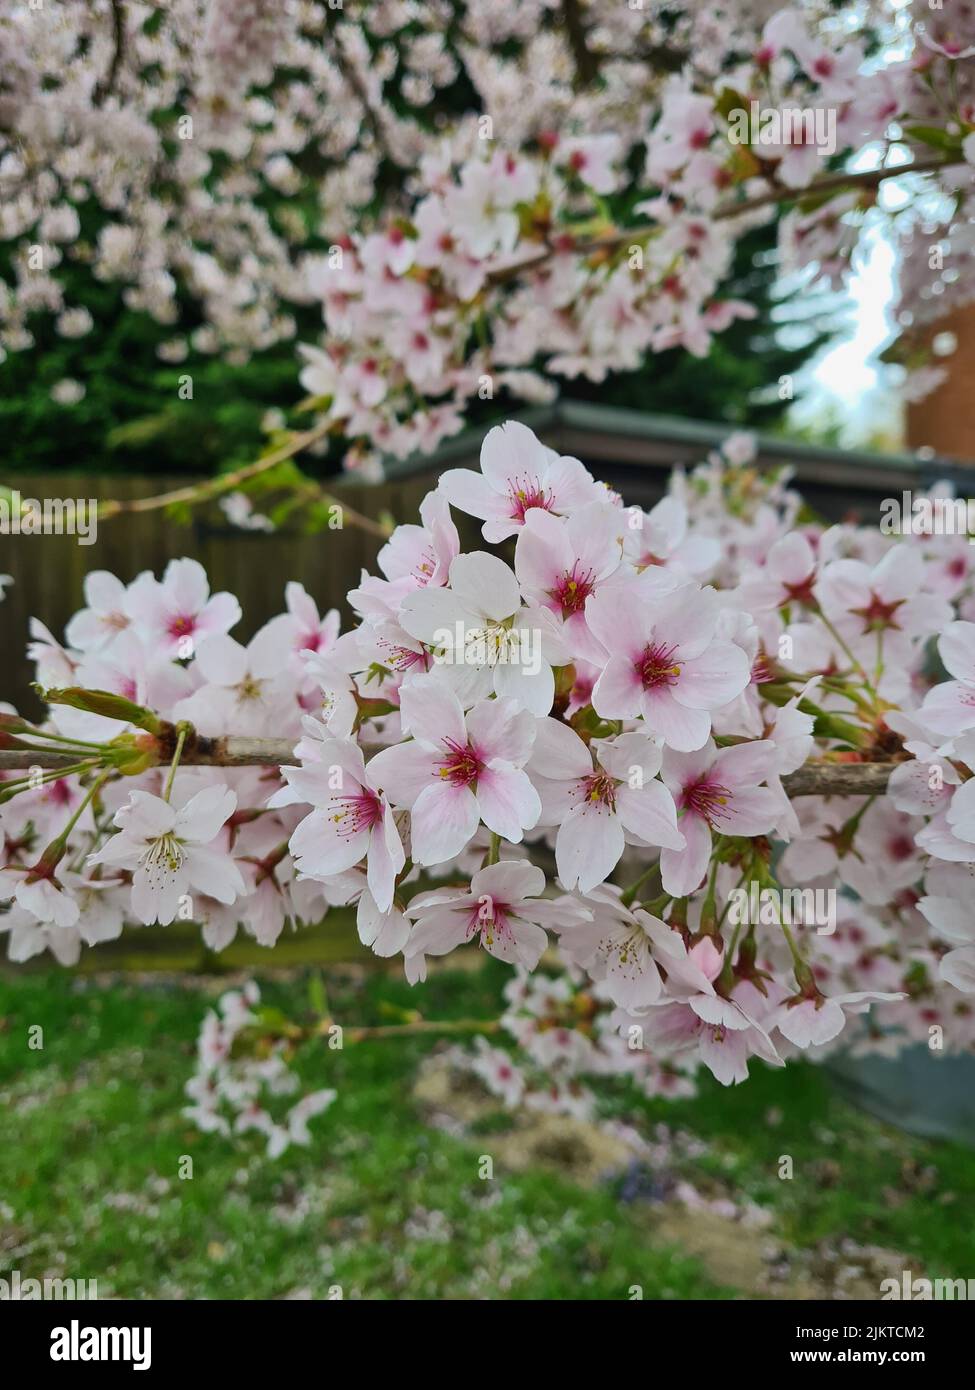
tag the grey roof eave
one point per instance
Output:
(639, 439)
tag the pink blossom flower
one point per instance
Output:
(484, 638)
(302, 629)
(351, 821)
(811, 1021)
(458, 770)
(662, 538)
(106, 616)
(498, 1072)
(665, 664)
(715, 790)
(170, 850)
(245, 688)
(621, 947)
(502, 910)
(518, 473)
(597, 796)
(178, 613)
(561, 563)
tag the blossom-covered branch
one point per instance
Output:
(815, 779)
(485, 199)
(708, 750)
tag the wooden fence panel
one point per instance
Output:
(49, 571)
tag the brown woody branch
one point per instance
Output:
(195, 493)
(106, 84)
(871, 178)
(586, 62)
(815, 779)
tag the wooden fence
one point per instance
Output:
(49, 571)
(630, 450)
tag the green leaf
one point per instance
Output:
(934, 136)
(317, 997)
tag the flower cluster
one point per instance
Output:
(234, 1094)
(584, 735)
(571, 204)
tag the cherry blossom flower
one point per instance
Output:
(458, 770)
(352, 821)
(715, 790)
(170, 851)
(811, 1021)
(178, 613)
(621, 947)
(597, 796)
(484, 638)
(518, 475)
(560, 564)
(502, 910)
(665, 664)
(244, 688)
(106, 616)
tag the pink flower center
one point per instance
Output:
(354, 814)
(525, 493)
(582, 690)
(597, 790)
(462, 766)
(490, 918)
(901, 847)
(878, 615)
(657, 667)
(801, 592)
(58, 792)
(572, 590)
(404, 658)
(183, 625)
(706, 799)
(761, 670)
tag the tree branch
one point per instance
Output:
(815, 779)
(587, 64)
(106, 84)
(870, 178)
(226, 482)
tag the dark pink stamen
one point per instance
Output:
(657, 667)
(462, 766)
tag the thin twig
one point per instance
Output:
(870, 178)
(225, 482)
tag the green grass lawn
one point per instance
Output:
(386, 1204)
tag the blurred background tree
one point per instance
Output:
(133, 417)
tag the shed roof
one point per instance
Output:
(634, 451)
